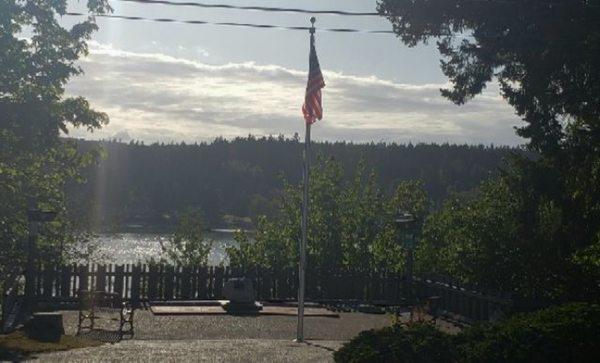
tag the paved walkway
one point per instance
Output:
(235, 350)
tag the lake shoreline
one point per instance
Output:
(143, 245)
(163, 229)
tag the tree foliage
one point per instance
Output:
(416, 343)
(351, 223)
(513, 237)
(567, 333)
(544, 54)
(536, 230)
(141, 184)
(188, 246)
(37, 58)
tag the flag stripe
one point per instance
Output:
(312, 109)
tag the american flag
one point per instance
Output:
(312, 107)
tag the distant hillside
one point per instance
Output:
(145, 184)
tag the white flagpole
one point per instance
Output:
(302, 264)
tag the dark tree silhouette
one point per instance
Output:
(148, 184)
(544, 53)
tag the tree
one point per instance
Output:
(243, 177)
(37, 58)
(351, 224)
(544, 54)
(409, 197)
(188, 247)
(509, 241)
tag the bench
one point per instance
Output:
(91, 303)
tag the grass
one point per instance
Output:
(17, 345)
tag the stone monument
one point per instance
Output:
(241, 295)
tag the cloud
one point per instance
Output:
(157, 97)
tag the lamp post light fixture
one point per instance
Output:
(406, 226)
(407, 229)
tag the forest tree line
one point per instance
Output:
(235, 181)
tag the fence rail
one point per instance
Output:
(463, 300)
(155, 282)
(139, 282)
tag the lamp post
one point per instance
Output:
(34, 218)
(406, 226)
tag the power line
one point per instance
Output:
(256, 8)
(233, 24)
(262, 26)
(282, 27)
(332, 12)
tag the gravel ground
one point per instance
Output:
(245, 350)
(223, 338)
(182, 327)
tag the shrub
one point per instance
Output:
(188, 246)
(568, 333)
(415, 343)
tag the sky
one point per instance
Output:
(165, 82)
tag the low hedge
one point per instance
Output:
(568, 333)
(415, 343)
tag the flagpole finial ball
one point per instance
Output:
(313, 20)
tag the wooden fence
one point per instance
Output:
(142, 282)
(462, 300)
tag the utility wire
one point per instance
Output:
(271, 26)
(327, 12)
(266, 26)
(247, 25)
(257, 8)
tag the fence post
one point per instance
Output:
(152, 282)
(48, 276)
(101, 278)
(135, 285)
(169, 283)
(119, 277)
(83, 277)
(193, 282)
(202, 282)
(65, 281)
(218, 283)
(264, 285)
(186, 282)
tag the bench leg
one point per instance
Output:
(126, 319)
(83, 316)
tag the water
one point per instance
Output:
(129, 247)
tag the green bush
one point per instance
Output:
(568, 333)
(415, 343)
